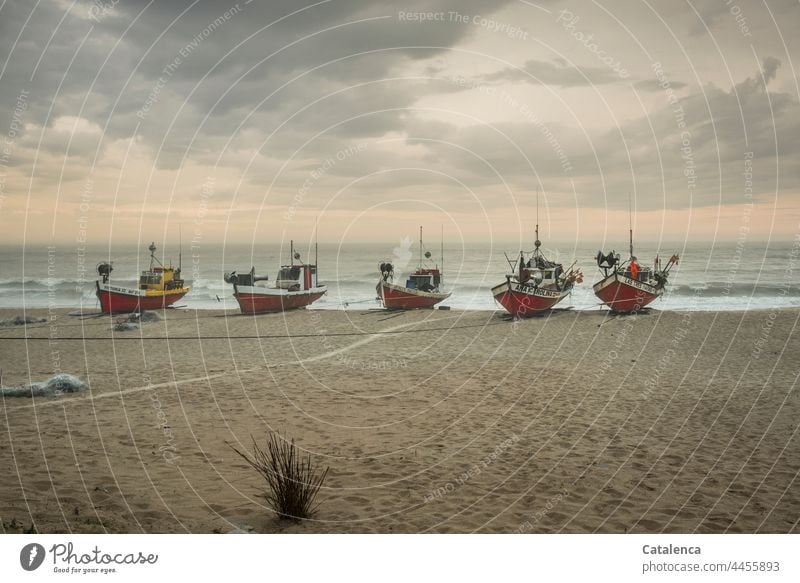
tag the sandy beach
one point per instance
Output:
(435, 421)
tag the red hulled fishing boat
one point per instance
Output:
(628, 286)
(535, 283)
(159, 287)
(295, 287)
(422, 289)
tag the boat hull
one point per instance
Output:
(625, 295)
(118, 300)
(525, 302)
(257, 300)
(397, 297)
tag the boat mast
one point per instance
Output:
(180, 247)
(537, 243)
(420, 247)
(291, 252)
(441, 252)
(630, 224)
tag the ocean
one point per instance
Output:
(718, 276)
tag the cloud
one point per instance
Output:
(557, 73)
(690, 154)
(770, 68)
(183, 75)
(261, 93)
(654, 85)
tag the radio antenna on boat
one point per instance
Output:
(510, 265)
(180, 247)
(152, 248)
(441, 252)
(537, 243)
(420, 246)
(630, 223)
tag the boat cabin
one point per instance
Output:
(643, 274)
(547, 278)
(160, 278)
(424, 280)
(539, 272)
(297, 277)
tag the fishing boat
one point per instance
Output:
(628, 287)
(535, 284)
(295, 287)
(160, 286)
(422, 289)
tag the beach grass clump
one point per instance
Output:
(292, 479)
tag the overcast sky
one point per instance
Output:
(247, 121)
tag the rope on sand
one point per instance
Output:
(177, 383)
(253, 336)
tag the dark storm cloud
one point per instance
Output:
(256, 84)
(198, 59)
(691, 153)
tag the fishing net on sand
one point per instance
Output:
(21, 321)
(54, 386)
(145, 317)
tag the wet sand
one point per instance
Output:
(445, 421)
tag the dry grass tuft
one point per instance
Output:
(293, 481)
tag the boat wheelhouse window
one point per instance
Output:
(289, 273)
(643, 275)
(149, 278)
(421, 281)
